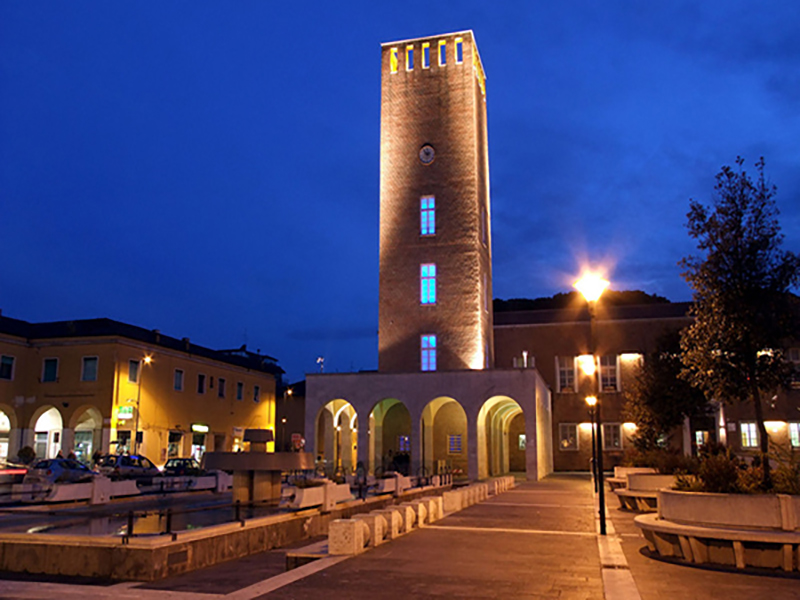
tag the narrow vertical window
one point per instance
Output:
(566, 374)
(50, 370)
(393, 60)
(459, 51)
(427, 215)
(426, 55)
(428, 347)
(256, 393)
(133, 371)
(608, 373)
(409, 58)
(442, 53)
(89, 369)
(201, 384)
(7, 367)
(177, 381)
(221, 388)
(794, 435)
(427, 288)
(239, 390)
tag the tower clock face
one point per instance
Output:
(426, 154)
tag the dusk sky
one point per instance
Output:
(210, 169)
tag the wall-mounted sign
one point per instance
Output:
(238, 432)
(199, 428)
(124, 413)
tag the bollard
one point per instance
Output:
(129, 530)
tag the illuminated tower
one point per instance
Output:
(435, 244)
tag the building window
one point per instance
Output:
(50, 370)
(521, 442)
(177, 380)
(442, 53)
(701, 438)
(201, 384)
(221, 388)
(239, 390)
(428, 346)
(749, 434)
(427, 288)
(566, 373)
(174, 444)
(459, 51)
(426, 55)
(393, 60)
(6, 367)
(794, 434)
(568, 436)
(409, 58)
(427, 216)
(256, 394)
(89, 369)
(794, 358)
(612, 436)
(133, 371)
(608, 373)
(403, 443)
(454, 444)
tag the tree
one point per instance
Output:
(743, 308)
(658, 400)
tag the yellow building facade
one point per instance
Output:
(91, 385)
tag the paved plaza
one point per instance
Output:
(537, 540)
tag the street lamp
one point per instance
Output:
(592, 287)
(591, 401)
(146, 360)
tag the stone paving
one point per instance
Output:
(537, 540)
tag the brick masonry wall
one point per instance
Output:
(444, 107)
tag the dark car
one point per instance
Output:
(183, 466)
(127, 466)
(59, 470)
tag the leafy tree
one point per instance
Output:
(743, 308)
(658, 400)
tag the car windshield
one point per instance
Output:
(42, 464)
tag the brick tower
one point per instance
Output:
(435, 308)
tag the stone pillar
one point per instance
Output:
(105, 440)
(473, 442)
(416, 443)
(67, 441)
(532, 441)
(687, 436)
(14, 445)
(363, 445)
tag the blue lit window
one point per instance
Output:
(427, 287)
(442, 53)
(428, 346)
(409, 58)
(459, 51)
(426, 55)
(427, 216)
(403, 443)
(454, 444)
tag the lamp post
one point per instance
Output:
(145, 361)
(591, 401)
(592, 287)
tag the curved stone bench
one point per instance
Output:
(620, 478)
(727, 529)
(641, 493)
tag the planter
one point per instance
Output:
(641, 495)
(728, 529)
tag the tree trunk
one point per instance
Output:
(763, 438)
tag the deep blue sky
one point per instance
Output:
(210, 169)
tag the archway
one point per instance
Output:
(8, 421)
(444, 437)
(501, 437)
(390, 437)
(88, 427)
(47, 430)
(337, 437)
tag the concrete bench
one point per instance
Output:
(378, 527)
(394, 522)
(641, 493)
(435, 508)
(347, 537)
(620, 478)
(420, 512)
(453, 501)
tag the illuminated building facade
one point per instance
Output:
(88, 385)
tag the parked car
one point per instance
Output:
(58, 470)
(183, 466)
(127, 466)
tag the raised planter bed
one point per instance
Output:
(620, 478)
(641, 493)
(727, 529)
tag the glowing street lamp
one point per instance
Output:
(146, 360)
(592, 287)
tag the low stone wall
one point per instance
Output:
(729, 529)
(157, 557)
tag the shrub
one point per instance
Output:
(26, 455)
(719, 473)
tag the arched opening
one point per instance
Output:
(501, 437)
(444, 438)
(390, 437)
(7, 422)
(47, 431)
(337, 438)
(88, 427)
